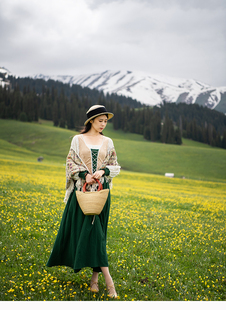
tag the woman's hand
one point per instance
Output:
(89, 179)
(98, 174)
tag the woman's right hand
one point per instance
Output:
(89, 179)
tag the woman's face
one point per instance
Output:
(99, 123)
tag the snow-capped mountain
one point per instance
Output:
(146, 88)
(4, 73)
(149, 89)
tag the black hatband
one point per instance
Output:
(96, 112)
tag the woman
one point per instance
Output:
(81, 239)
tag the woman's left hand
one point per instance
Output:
(98, 174)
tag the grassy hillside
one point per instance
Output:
(191, 160)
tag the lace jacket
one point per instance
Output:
(79, 159)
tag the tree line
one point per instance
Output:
(169, 122)
(30, 99)
(197, 123)
(147, 122)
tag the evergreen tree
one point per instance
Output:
(117, 120)
(2, 109)
(55, 113)
(224, 140)
(189, 130)
(16, 103)
(62, 109)
(194, 134)
(210, 134)
(35, 100)
(70, 115)
(165, 128)
(158, 125)
(178, 139)
(218, 142)
(180, 125)
(171, 133)
(147, 133)
(23, 117)
(62, 123)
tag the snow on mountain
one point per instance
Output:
(4, 73)
(149, 89)
(146, 88)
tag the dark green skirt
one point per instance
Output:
(80, 242)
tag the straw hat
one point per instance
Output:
(95, 111)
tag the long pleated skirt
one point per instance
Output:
(81, 239)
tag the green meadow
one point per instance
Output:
(192, 160)
(166, 236)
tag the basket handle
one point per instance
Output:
(99, 188)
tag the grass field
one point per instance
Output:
(166, 237)
(192, 160)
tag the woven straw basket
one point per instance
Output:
(92, 203)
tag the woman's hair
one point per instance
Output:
(87, 127)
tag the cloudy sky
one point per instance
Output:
(180, 38)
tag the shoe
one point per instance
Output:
(94, 288)
(111, 291)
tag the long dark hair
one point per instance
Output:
(88, 126)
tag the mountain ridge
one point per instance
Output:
(148, 89)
